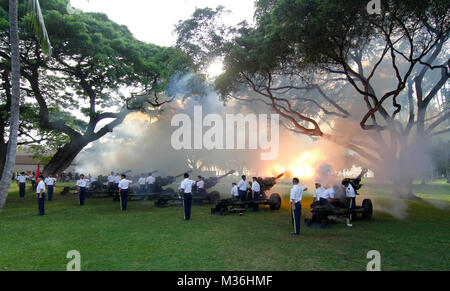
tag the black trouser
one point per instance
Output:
(149, 188)
(142, 188)
(50, 192)
(242, 195)
(111, 186)
(22, 189)
(41, 204)
(187, 205)
(123, 199)
(323, 201)
(350, 207)
(33, 184)
(255, 198)
(296, 214)
(82, 195)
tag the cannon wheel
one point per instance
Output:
(214, 197)
(275, 201)
(368, 208)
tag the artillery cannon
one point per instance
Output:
(212, 197)
(233, 205)
(336, 209)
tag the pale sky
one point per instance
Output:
(153, 21)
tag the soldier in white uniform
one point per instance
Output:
(40, 193)
(150, 181)
(50, 182)
(256, 189)
(123, 191)
(320, 195)
(351, 197)
(21, 180)
(296, 206)
(234, 191)
(111, 182)
(141, 183)
(200, 184)
(81, 188)
(186, 194)
(242, 187)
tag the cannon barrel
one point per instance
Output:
(212, 181)
(356, 182)
(164, 181)
(267, 183)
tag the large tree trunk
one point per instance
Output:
(63, 158)
(15, 104)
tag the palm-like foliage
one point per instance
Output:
(38, 24)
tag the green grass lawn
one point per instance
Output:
(150, 238)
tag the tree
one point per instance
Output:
(95, 63)
(39, 28)
(334, 49)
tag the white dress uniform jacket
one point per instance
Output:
(297, 193)
(186, 185)
(82, 182)
(150, 180)
(349, 191)
(40, 186)
(256, 187)
(234, 191)
(124, 183)
(242, 185)
(50, 181)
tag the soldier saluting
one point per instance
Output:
(296, 206)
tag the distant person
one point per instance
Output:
(200, 186)
(242, 187)
(123, 191)
(296, 205)
(117, 179)
(50, 182)
(111, 182)
(40, 193)
(186, 195)
(150, 181)
(256, 189)
(81, 188)
(21, 180)
(142, 183)
(234, 191)
(321, 195)
(351, 197)
(33, 181)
